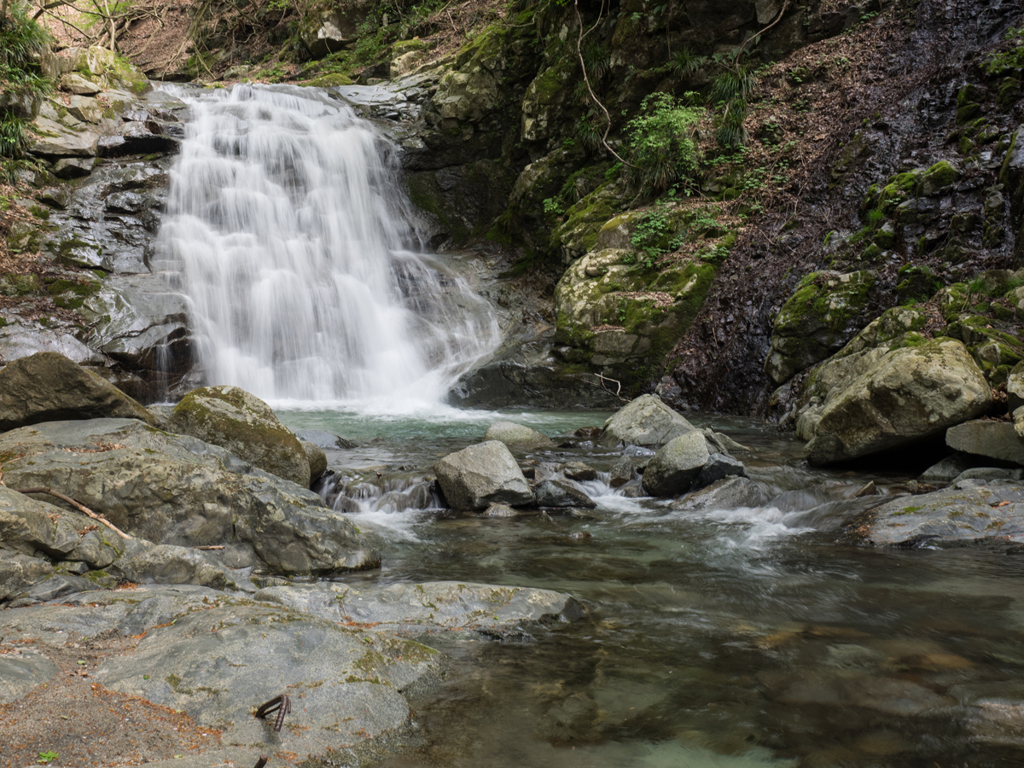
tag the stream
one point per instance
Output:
(721, 638)
(736, 637)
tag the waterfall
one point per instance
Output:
(287, 230)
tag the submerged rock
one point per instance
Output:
(719, 466)
(243, 424)
(645, 421)
(47, 386)
(480, 475)
(676, 466)
(517, 436)
(172, 489)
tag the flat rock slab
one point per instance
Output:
(21, 670)
(949, 517)
(448, 605)
(994, 439)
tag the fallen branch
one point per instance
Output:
(618, 389)
(80, 507)
(210, 547)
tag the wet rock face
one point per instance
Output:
(244, 425)
(178, 490)
(47, 386)
(480, 475)
(677, 465)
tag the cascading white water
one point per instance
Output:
(297, 251)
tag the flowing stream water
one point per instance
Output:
(726, 638)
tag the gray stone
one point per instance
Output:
(19, 571)
(217, 664)
(317, 459)
(500, 510)
(172, 489)
(950, 517)
(47, 386)
(719, 466)
(168, 564)
(645, 421)
(21, 671)
(675, 467)
(480, 475)
(727, 493)
(558, 494)
(994, 439)
(904, 395)
(55, 140)
(518, 436)
(73, 167)
(245, 425)
(417, 608)
(1015, 388)
(75, 83)
(721, 443)
(948, 468)
(622, 472)
(56, 586)
(988, 474)
(577, 470)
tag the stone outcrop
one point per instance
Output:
(177, 490)
(47, 386)
(243, 424)
(560, 494)
(480, 475)
(646, 421)
(824, 313)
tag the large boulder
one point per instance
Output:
(645, 421)
(824, 313)
(901, 396)
(676, 466)
(245, 425)
(480, 475)
(517, 435)
(47, 386)
(994, 439)
(173, 489)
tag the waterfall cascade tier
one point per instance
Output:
(300, 257)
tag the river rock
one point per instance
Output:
(404, 607)
(518, 436)
(675, 467)
(944, 471)
(1015, 388)
(317, 459)
(47, 386)
(994, 439)
(727, 493)
(174, 489)
(558, 494)
(325, 440)
(480, 475)
(245, 425)
(577, 470)
(622, 472)
(904, 395)
(169, 564)
(719, 466)
(950, 517)
(19, 571)
(645, 421)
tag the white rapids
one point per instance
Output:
(289, 234)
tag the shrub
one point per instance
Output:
(20, 39)
(661, 146)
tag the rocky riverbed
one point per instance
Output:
(191, 581)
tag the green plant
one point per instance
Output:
(651, 231)
(661, 146)
(47, 757)
(21, 39)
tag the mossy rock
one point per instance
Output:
(824, 313)
(578, 233)
(245, 425)
(939, 178)
(916, 283)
